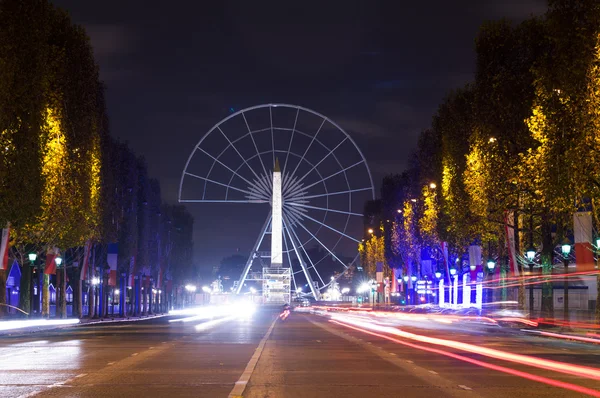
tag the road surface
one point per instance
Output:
(262, 356)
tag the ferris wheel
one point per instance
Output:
(302, 170)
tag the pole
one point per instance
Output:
(566, 291)
(531, 292)
(63, 297)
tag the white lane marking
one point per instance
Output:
(433, 372)
(241, 384)
(409, 361)
(464, 387)
(134, 354)
(111, 363)
(318, 341)
(150, 348)
(81, 375)
(392, 353)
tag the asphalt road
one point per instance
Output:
(303, 356)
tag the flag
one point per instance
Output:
(87, 249)
(51, 255)
(4, 248)
(111, 259)
(159, 280)
(509, 227)
(131, 271)
(584, 252)
(445, 253)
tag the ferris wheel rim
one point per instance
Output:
(276, 105)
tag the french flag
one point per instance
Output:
(87, 249)
(111, 259)
(4, 248)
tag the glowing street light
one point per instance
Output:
(117, 291)
(95, 281)
(452, 271)
(206, 289)
(345, 290)
(32, 257)
(399, 211)
(252, 290)
(58, 261)
(190, 288)
(370, 230)
(491, 264)
(438, 275)
(413, 278)
(530, 254)
(566, 249)
(432, 185)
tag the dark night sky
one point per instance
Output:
(174, 69)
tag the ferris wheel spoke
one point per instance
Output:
(291, 140)
(331, 228)
(224, 165)
(335, 174)
(307, 257)
(324, 246)
(322, 160)
(238, 152)
(254, 142)
(350, 191)
(272, 135)
(287, 250)
(218, 183)
(308, 147)
(325, 209)
(290, 231)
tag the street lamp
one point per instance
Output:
(95, 280)
(453, 271)
(438, 275)
(206, 289)
(530, 254)
(32, 258)
(566, 249)
(399, 211)
(370, 230)
(491, 264)
(432, 185)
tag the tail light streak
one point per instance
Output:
(576, 370)
(514, 372)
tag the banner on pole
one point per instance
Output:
(584, 252)
(509, 227)
(51, 255)
(87, 249)
(4, 248)
(111, 259)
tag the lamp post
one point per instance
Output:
(32, 307)
(413, 279)
(530, 254)
(63, 290)
(491, 266)
(566, 249)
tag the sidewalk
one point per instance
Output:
(37, 325)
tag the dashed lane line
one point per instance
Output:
(241, 384)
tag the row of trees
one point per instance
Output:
(63, 180)
(523, 137)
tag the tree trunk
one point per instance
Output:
(2, 293)
(46, 297)
(25, 289)
(547, 251)
(521, 294)
(63, 297)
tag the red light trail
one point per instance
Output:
(514, 372)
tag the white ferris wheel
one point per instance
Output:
(303, 171)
